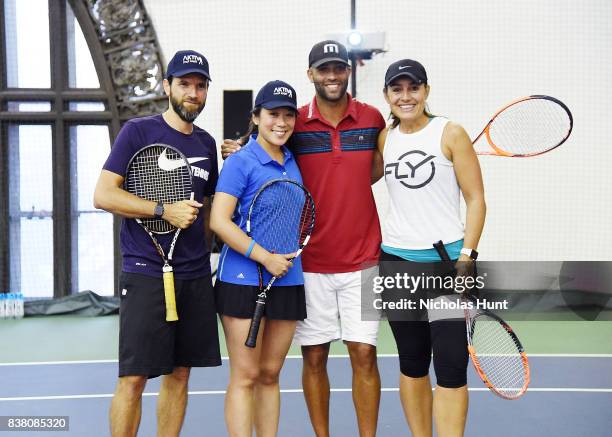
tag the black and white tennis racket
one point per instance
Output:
(161, 173)
(496, 352)
(281, 219)
(528, 126)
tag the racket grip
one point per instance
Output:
(169, 296)
(251, 340)
(442, 253)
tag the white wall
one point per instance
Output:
(479, 55)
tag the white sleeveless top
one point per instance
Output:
(423, 190)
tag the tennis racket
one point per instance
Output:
(161, 173)
(528, 126)
(281, 218)
(496, 351)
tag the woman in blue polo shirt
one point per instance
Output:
(253, 395)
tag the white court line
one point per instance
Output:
(50, 363)
(298, 390)
(528, 355)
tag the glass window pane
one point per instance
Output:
(27, 43)
(29, 106)
(86, 106)
(36, 257)
(94, 250)
(95, 253)
(81, 69)
(31, 210)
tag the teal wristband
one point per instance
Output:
(250, 249)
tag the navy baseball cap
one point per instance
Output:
(276, 94)
(186, 62)
(406, 67)
(327, 51)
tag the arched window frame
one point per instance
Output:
(129, 65)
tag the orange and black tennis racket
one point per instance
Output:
(528, 126)
(496, 351)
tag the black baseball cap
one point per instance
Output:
(327, 51)
(414, 70)
(276, 94)
(186, 62)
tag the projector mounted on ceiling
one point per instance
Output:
(362, 44)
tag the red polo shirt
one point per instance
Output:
(336, 163)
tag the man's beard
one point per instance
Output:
(320, 90)
(184, 114)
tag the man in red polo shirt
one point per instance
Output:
(334, 142)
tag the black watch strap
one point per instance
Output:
(159, 210)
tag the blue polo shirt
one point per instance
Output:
(243, 173)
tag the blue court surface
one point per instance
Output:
(570, 396)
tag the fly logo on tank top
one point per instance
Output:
(412, 169)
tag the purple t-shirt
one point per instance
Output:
(191, 257)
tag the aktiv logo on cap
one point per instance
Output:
(282, 91)
(193, 59)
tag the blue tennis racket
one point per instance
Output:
(281, 219)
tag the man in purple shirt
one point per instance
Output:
(148, 345)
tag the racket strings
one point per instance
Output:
(147, 180)
(280, 217)
(531, 126)
(306, 220)
(499, 356)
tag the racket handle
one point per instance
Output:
(251, 340)
(169, 296)
(442, 253)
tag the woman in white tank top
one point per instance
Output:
(428, 162)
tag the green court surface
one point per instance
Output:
(70, 338)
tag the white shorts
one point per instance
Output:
(334, 309)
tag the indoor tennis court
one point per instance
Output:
(74, 71)
(47, 375)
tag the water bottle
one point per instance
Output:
(15, 306)
(2, 306)
(9, 311)
(5, 302)
(20, 306)
(7, 306)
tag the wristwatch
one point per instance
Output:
(469, 252)
(159, 210)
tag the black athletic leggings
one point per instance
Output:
(416, 337)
